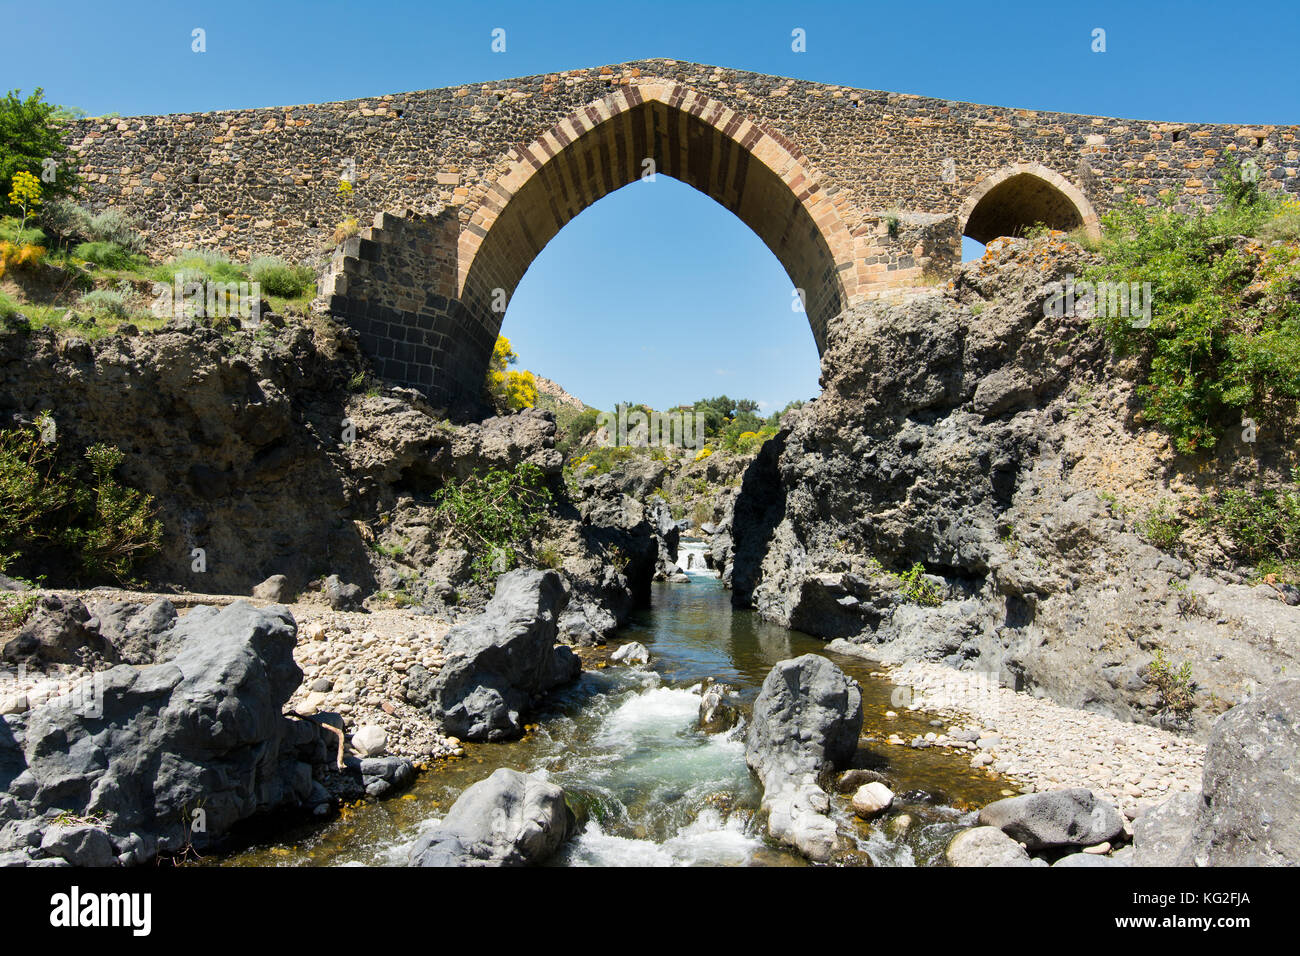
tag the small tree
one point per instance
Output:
(30, 134)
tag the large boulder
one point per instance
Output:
(1250, 807)
(341, 596)
(509, 819)
(805, 721)
(498, 663)
(79, 845)
(871, 799)
(986, 846)
(165, 756)
(1055, 818)
(276, 589)
(1162, 833)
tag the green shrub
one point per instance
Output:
(602, 459)
(107, 254)
(394, 551)
(747, 441)
(279, 278)
(8, 307)
(549, 557)
(573, 427)
(53, 515)
(105, 302)
(115, 226)
(1175, 686)
(1214, 353)
(30, 133)
(918, 589)
(1264, 525)
(494, 514)
(1162, 527)
(12, 230)
(1284, 226)
(15, 608)
(118, 527)
(65, 220)
(201, 265)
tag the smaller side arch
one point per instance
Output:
(1014, 197)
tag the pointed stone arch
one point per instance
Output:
(756, 173)
(1008, 200)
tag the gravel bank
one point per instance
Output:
(355, 663)
(1045, 746)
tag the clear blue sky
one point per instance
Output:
(706, 310)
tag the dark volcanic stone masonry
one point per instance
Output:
(855, 191)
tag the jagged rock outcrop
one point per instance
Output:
(259, 449)
(500, 662)
(509, 819)
(163, 756)
(236, 436)
(59, 631)
(997, 447)
(805, 722)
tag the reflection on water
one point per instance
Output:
(654, 791)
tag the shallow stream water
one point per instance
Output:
(622, 741)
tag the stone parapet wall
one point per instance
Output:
(265, 180)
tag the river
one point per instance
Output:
(622, 741)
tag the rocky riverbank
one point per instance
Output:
(223, 715)
(998, 505)
(270, 453)
(1045, 746)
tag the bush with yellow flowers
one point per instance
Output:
(506, 388)
(25, 194)
(24, 255)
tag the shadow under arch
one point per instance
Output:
(1010, 200)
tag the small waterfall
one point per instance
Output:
(691, 554)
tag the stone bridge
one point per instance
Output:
(856, 192)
